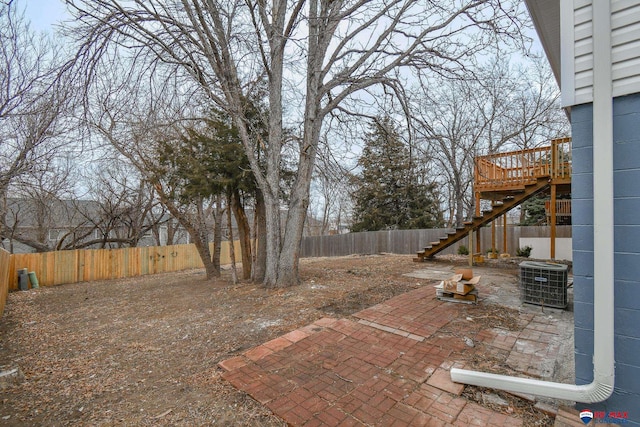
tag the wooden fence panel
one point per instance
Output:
(55, 268)
(64, 266)
(102, 264)
(6, 267)
(156, 260)
(225, 258)
(42, 264)
(411, 241)
(187, 257)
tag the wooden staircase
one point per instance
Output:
(509, 179)
(499, 209)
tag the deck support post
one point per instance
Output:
(470, 246)
(552, 209)
(477, 214)
(504, 233)
(493, 236)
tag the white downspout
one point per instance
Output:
(603, 275)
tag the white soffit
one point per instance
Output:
(545, 15)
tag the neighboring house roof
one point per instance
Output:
(546, 18)
(59, 213)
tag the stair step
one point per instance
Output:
(508, 199)
(444, 237)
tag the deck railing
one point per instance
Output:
(563, 207)
(520, 167)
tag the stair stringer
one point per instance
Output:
(530, 190)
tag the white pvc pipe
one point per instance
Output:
(603, 275)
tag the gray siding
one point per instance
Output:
(626, 125)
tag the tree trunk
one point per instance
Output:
(200, 237)
(299, 201)
(244, 233)
(298, 206)
(260, 239)
(232, 251)
(272, 242)
(271, 185)
(459, 211)
(217, 233)
(3, 214)
(197, 234)
(171, 232)
(289, 253)
(205, 255)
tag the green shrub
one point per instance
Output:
(462, 250)
(524, 252)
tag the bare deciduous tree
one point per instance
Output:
(122, 212)
(501, 108)
(348, 46)
(32, 100)
(137, 114)
(138, 143)
(331, 186)
(39, 213)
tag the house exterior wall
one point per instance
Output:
(577, 50)
(626, 157)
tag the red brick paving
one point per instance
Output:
(389, 368)
(442, 379)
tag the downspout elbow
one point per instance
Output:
(597, 391)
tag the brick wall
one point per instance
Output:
(626, 137)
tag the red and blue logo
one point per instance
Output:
(586, 416)
(603, 417)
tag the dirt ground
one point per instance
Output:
(144, 351)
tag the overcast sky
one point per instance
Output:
(43, 13)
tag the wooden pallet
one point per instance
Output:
(450, 297)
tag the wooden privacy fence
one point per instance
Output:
(60, 267)
(5, 264)
(410, 241)
(57, 268)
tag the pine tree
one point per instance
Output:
(534, 210)
(389, 194)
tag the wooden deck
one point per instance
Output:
(509, 179)
(500, 175)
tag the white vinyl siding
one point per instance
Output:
(578, 51)
(625, 47)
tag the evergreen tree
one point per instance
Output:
(534, 212)
(208, 163)
(389, 193)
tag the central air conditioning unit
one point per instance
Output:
(544, 284)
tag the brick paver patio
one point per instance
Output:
(387, 367)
